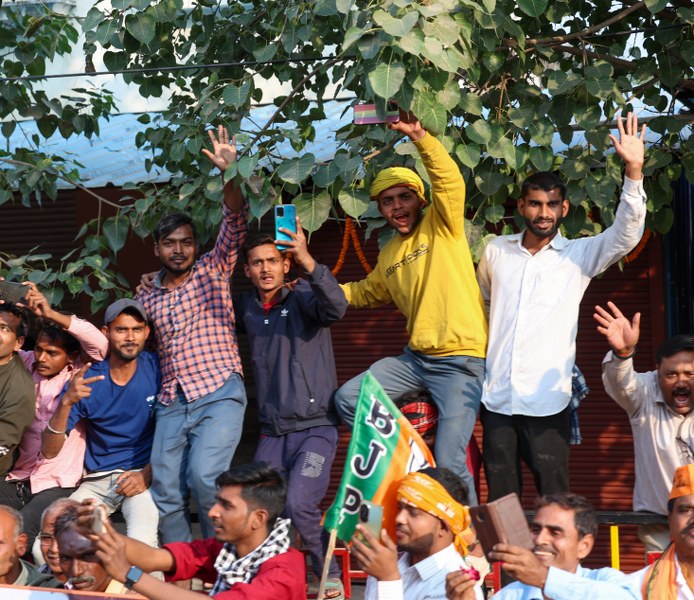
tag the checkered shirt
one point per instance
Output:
(194, 324)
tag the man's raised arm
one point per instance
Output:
(222, 155)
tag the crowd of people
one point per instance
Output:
(92, 421)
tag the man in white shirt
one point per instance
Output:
(671, 577)
(430, 526)
(659, 404)
(533, 283)
(563, 531)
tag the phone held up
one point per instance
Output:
(285, 217)
(501, 522)
(367, 114)
(371, 517)
(13, 292)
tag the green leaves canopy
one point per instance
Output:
(507, 84)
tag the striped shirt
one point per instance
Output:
(194, 324)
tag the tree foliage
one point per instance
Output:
(511, 86)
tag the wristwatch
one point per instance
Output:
(133, 576)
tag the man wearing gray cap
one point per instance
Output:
(113, 401)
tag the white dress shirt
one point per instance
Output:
(425, 580)
(533, 302)
(663, 439)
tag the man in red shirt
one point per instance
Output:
(249, 557)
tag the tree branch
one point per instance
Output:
(586, 32)
(19, 163)
(291, 94)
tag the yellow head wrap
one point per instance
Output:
(683, 482)
(393, 176)
(427, 494)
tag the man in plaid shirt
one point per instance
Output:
(199, 413)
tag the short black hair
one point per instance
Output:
(585, 520)
(420, 395)
(673, 345)
(13, 309)
(170, 222)
(66, 520)
(453, 484)
(261, 487)
(545, 181)
(58, 336)
(253, 241)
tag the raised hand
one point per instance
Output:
(378, 558)
(408, 125)
(631, 145)
(298, 247)
(622, 335)
(79, 386)
(223, 153)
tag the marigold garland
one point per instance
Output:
(350, 233)
(634, 254)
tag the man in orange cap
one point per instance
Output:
(671, 577)
(426, 271)
(431, 527)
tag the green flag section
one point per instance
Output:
(383, 449)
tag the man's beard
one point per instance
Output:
(548, 233)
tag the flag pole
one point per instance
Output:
(326, 564)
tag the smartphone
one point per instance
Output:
(366, 114)
(501, 522)
(99, 519)
(13, 292)
(371, 517)
(285, 217)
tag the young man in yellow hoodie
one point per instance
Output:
(426, 271)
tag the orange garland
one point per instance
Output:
(350, 232)
(634, 254)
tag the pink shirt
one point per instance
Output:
(65, 470)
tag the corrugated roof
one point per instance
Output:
(112, 158)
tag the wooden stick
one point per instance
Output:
(326, 564)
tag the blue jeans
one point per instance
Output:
(455, 383)
(193, 443)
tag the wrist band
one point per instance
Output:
(48, 426)
(633, 353)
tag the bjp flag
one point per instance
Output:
(383, 449)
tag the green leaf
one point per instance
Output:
(116, 231)
(393, 26)
(600, 88)
(92, 19)
(106, 30)
(533, 8)
(236, 95)
(488, 182)
(247, 165)
(141, 26)
(495, 213)
(313, 210)
(479, 131)
(352, 35)
(295, 170)
(430, 113)
(354, 201)
(386, 79)
(559, 82)
(541, 157)
(655, 6)
(522, 116)
(600, 191)
(449, 97)
(471, 103)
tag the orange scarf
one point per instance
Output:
(659, 582)
(427, 494)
